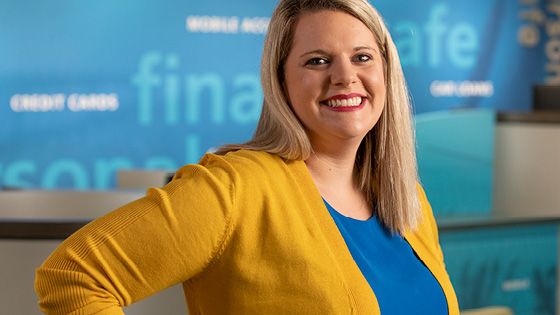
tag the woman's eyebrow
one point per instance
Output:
(324, 52)
(313, 52)
(364, 48)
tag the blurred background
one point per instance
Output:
(101, 99)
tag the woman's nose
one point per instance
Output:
(343, 73)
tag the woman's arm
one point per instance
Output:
(160, 240)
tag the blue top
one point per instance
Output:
(400, 281)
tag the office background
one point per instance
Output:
(88, 88)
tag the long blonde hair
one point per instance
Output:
(386, 159)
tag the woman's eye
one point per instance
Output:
(317, 62)
(363, 58)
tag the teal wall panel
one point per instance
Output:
(455, 151)
(512, 266)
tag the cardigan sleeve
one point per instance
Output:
(167, 237)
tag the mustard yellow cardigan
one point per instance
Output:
(247, 233)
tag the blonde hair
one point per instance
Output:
(386, 159)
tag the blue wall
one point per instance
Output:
(87, 87)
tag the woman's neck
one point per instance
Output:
(335, 177)
(331, 169)
(333, 161)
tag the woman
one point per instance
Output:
(319, 213)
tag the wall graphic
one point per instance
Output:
(88, 87)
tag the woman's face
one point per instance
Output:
(334, 77)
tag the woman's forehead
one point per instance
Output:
(327, 30)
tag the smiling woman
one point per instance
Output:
(327, 67)
(331, 66)
(319, 213)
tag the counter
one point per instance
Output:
(503, 259)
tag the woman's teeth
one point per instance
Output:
(355, 101)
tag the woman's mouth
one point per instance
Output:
(348, 102)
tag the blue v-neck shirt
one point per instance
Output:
(401, 282)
